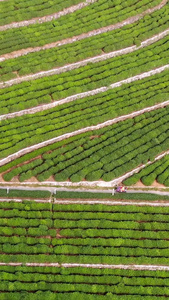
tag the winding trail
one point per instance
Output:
(86, 94)
(83, 35)
(82, 130)
(47, 18)
(95, 266)
(84, 62)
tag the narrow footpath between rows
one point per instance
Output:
(84, 62)
(82, 130)
(83, 35)
(47, 18)
(43, 107)
(95, 266)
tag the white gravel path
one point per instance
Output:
(79, 131)
(86, 94)
(83, 35)
(47, 18)
(94, 266)
(84, 62)
(113, 202)
(27, 199)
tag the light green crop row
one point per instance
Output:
(146, 92)
(16, 11)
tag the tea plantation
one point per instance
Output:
(84, 100)
(84, 89)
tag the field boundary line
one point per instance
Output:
(68, 99)
(84, 62)
(114, 202)
(82, 36)
(24, 199)
(111, 202)
(47, 18)
(95, 266)
(154, 203)
(79, 131)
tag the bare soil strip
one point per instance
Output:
(82, 130)
(83, 35)
(95, 266)
(84, 62)
(113, 202)
(85, 94)
(47, 18)
(27, 199)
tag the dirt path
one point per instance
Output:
(27, 199)
(90, 93)
(53, 187)
(114, 202)
(84, 62)
(96, 201)
(83, 35)
(47, 18)
(79, 131)
(95, 266)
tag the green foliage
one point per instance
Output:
(110, 41)
(158, 170)
(24, 193)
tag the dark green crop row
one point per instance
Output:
(71, 283)
(17, 240)
(24, 274)
(42, 225)
(144, 240)
(120, 294)
(16, 11)
(24, 168)
(110, 242)
(92, 76)
(70, 53)
(99, 14)
(34, 208)
(156, 171)
(24, 194)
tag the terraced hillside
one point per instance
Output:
(84, 90)
(66, 248)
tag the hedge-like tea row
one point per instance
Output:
(99, 14)
(16, 11)
(81, 282)
(134, 89)
(32, 93)
(110, 41)
(97, 156)
(64, 233)
(156, 171)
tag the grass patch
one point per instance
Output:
(24, 194)
(127, 196)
